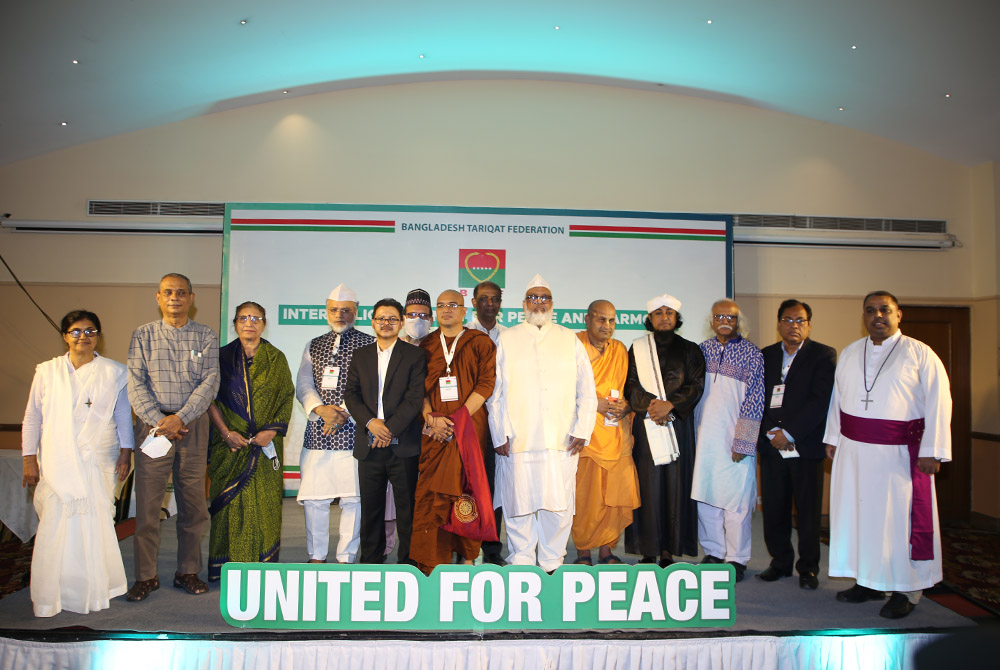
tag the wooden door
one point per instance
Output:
(946, 330)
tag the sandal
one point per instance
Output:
(583, 560)
(141, 589)
(190, 583)
(610, 559)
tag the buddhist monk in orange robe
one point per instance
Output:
(607, 487)
(439, 484)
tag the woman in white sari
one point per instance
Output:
(77, 434)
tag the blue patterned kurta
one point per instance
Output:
(322, 354)
(728, 419)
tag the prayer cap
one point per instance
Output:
(537, 282)
(665, 300)
(342, 293)
(418, 296)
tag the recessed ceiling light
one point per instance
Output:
(243, 22)
(284, 92)
(76, 62)
(421, 55)
(63, 124)
(557, 27)
(854, 46)
(841, 108)
(947, 95)
(710, 20)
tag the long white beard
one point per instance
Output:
(341, 329)
(539, 318)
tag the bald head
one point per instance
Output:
(600, 320)
(450, 311)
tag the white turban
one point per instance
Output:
(342, 293)
(538, 282)
(665, 300)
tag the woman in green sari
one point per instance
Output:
(250, 417)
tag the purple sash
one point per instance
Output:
(885, 431)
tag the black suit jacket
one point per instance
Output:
(402, 396)
(803, 410)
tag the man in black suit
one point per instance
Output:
(384, 394)
(798, 380)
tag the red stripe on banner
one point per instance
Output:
(291, 475)
(311, 222)
(643, 229)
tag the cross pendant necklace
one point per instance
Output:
(864, 371)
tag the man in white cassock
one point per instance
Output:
(542, 413)
(888, 430)
(328, 467)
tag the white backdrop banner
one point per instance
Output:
(288, 257)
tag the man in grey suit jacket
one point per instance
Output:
(384, 394)
(798, 380)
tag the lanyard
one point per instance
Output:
(449, 355)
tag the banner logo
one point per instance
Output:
(479, 265)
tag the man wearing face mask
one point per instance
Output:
(417, 318)
(328, 467)
(542, 414)
(728, 419)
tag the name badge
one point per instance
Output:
(449, 388)
(331, 376)
(777, 395)
(608, 421)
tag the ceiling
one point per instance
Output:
(921, 72)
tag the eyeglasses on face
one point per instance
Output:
(252, 319)
(418, 315)
(798, 321)
(343, 311)
(386, 320)
(449, 305)
(77, 332)
(728, 318)
(543, 299)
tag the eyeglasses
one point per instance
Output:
(538, 298)
(728, 318)
(418, 315)
(386, 320)
(343, 311)
(798, 321)
(77, 332)
(251, 319)
(449, 305)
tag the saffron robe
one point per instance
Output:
(870, 487)
(440, 482)
(607, 487)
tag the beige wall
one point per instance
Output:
(513, 144)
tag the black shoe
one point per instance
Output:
(740, 570)
(897, 607)
(666, 561)
(808, 581)
(648, 559)
(493, 558)
(711, 560)
(773, 574)
(859, 594)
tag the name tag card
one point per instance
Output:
(331, 376)
(777, 395)
(608, 421)
(449, 388)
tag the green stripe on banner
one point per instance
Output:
(320, 229)
(654, 236)
(290, 468)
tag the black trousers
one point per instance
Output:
(380, 467)
(782, 482)
(490, 465)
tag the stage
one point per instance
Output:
(778, 625)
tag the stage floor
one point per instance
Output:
(776, 608)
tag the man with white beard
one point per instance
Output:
(542, 414)
(328, 467)
(417, 317)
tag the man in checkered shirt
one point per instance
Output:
(173, 369)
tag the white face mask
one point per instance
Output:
(416, 328)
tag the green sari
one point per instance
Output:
(246, 487)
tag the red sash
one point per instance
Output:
(885, 431)
(479, 524)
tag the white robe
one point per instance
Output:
(544, 394)
(77, 564)
(870, 488)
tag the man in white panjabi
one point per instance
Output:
(542, 413)
(328, 467)
(888, 430)
(728, 420)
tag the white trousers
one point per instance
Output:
(318, 529)
(725, 534)
(542, 531)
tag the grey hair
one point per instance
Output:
(742, 325)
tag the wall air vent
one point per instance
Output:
(792, 221)
(140, 208)
(775, 230)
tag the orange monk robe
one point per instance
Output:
(607, 487)
(440, 482)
